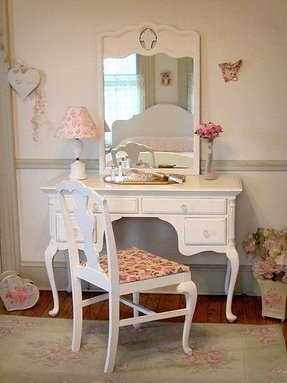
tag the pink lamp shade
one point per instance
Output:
(76, 124)
(107, 129)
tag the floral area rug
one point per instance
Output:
(38, 350)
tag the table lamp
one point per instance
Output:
(77, 124)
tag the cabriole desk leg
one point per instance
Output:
(230, 280)
(50, 252)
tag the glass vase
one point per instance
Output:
(209, 172)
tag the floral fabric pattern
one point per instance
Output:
(273, 299)
(17, 293)
(136, 265)
(77, 123)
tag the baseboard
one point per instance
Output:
(208, 278)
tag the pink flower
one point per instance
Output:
(266, 331)
(265, 269)
(245, 331)
(213, 357)
(6, 330)
(276, 370)
(273, 299)
(270, 245)
(267, 340)
(209, 131)
(54, 349)
(19, 294)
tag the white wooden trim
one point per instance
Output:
(43, 163)
(228, 165)
(9, 232)
(252, 165)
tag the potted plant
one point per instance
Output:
(268, 247)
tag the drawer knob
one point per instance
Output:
(205, 233)
(184, 207)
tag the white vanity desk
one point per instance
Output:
(202, 213)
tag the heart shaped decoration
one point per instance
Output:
(24, 81)
(17, 293)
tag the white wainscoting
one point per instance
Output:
(208, 278)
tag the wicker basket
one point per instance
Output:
(274, 298)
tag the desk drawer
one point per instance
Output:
(123, 205)
(184, 205)
(200, 231)
(116, 205)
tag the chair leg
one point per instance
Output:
(114, 322)
(136, 299)
(77, 313)
(190, 291)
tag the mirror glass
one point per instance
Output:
(149, 98)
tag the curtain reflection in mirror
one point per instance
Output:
(146, 67)
(185, 89)
(123, 90)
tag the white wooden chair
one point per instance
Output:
(118, 273)
(133, 150)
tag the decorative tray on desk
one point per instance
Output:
(136, 177)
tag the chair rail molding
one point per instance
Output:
(43, 163)
(228, 165)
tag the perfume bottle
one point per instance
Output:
(120, 170)
(113, 173)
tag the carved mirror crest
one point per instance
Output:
(148, 38)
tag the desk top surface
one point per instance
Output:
(224, 183)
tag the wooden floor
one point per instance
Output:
(209, 308)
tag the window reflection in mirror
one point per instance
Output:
(134, 83)
(123, 92)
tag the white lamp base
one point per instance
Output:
(78, 170)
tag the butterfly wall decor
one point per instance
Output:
(229, 70)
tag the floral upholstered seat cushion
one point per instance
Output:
(136, 264)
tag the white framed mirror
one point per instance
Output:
(149, 94)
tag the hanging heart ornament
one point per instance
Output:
(24, 80)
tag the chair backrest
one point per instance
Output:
(133, 150)
(84, 199)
